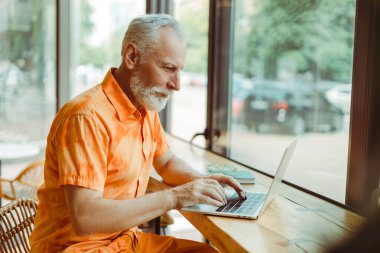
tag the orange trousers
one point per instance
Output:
(144, 243)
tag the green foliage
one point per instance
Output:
(93, 55)
(193, 15)
(98, 56)
(316, 36)
(87, 54)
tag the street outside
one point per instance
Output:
(319, 162)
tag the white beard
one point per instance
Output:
(147, 96)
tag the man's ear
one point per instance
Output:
(131, 55)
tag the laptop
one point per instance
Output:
(255, 203)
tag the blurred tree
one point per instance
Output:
(193, 15)
(316, 36)
(27, 40)
(241, 33)
(18, 29)
(88, 54)
(39, 41)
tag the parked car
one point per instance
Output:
(290, 108)
(240, 88)
(340, 96)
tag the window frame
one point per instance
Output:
(63, 44)
(363, 159)
(219, 73)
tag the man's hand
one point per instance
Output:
(228, 180)
(203, 191)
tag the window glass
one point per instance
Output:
(102, 25)
(292, 68)
(27, 69)
(27, 81)
(189, 105)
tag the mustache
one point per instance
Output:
(165, 91)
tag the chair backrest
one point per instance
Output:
(16, 225)
(29, 180)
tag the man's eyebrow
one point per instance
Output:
(170, 64)
(167, 63)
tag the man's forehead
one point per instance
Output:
(172, 48)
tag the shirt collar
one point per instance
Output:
(123, 106)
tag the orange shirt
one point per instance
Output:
(98, 140)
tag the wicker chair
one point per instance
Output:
(16, 225)
(25, 184)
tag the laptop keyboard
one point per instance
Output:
(237, 205)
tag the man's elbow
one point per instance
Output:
(81, 226)
(83, 221)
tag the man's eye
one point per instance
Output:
(170, 69)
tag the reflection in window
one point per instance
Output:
(292, 68)
(101, 28)
(189, 106)
(27, 70)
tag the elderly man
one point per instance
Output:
(102, 145)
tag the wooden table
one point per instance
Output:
(294, 222)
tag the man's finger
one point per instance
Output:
(214, 194)
(234, 184)
(207, 200)
(214, 183)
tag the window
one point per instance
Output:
(27, 70)
(292, 71)
(101, 29)
(189, 105)
(301, 56)
(27, 81)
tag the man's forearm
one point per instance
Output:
(178, 172)
(101, 215)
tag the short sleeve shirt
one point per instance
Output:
(100, 141)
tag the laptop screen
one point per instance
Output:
(280, 173)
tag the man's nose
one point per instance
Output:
(175, 81)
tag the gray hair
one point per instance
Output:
(144, 31)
